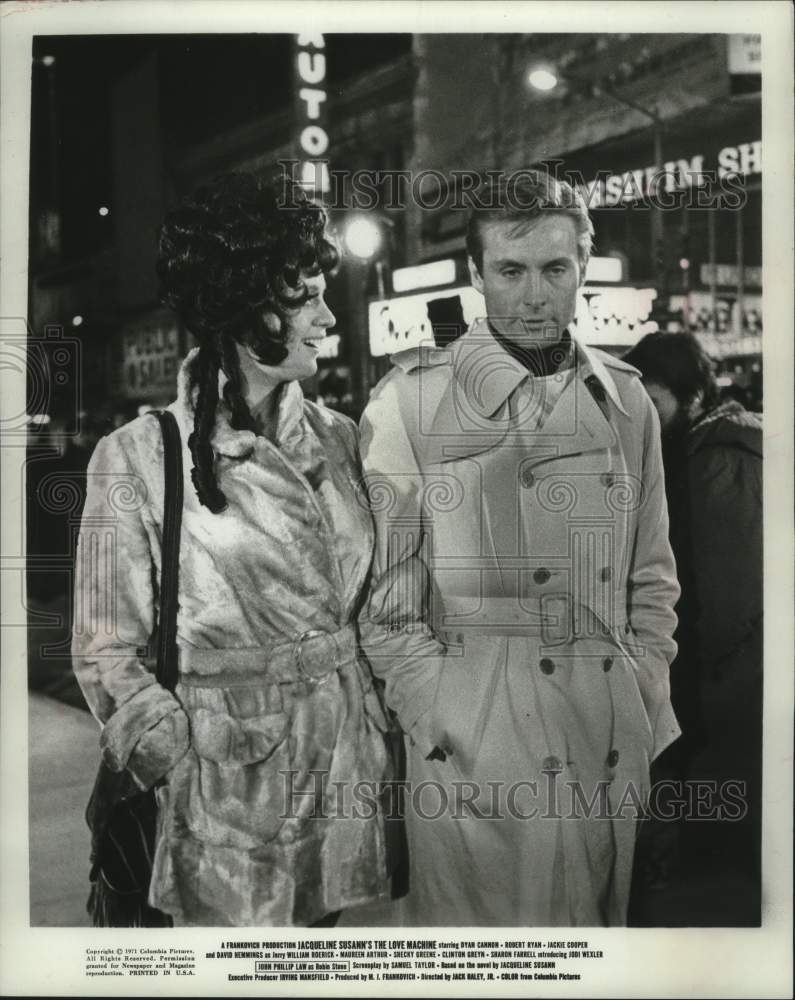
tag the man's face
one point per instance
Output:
(529, 278)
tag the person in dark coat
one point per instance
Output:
(712, 454)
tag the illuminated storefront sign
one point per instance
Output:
(151, 358)
(728, 274)
(311, 117)
(399, 323)
(437, 272)
(610, 315)
(614, 316)
(724, 327)
(607, 269)
(743, 160)
(745, 64)
(745, 53)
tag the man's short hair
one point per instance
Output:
(524, 197)
(677, 361)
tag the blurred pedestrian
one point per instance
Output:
(712, 453)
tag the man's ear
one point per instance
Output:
(474, 275)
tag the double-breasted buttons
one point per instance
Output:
(608, 479)
(541, 575)
(607, 663)
(526, 478)
(547, 666)
(605, 574)
(612, 758)
(551, 763)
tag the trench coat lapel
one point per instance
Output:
(458, 430)
(576, 426)
(474, 412)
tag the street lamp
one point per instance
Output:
(545, 78)
(542, 78)
(362, 238)
(367, 241)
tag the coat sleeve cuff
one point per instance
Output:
(131, 720)
(160, 749)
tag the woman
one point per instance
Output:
(274, 721)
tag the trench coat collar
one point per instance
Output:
(488, 374)
(225, 439)
(591, 365)
(473, 415)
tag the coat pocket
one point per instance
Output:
(228, 740)
(635, 707)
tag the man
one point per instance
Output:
(712, 455)
(522, 604)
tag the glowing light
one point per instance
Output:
(684, 263)
(48, 61)
(40, 419)
(542, 79)
(104, 210)
(438, 272)
(363, 238)
(604, 269)
(77, 321)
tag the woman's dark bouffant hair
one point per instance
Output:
(230, 263)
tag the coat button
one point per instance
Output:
(547, 666)
(541, 575)
(551, 764)
(605, 574)
(612, 758)
(527, 478)
(607, 663)
(608, 479)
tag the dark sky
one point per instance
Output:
(209, 83)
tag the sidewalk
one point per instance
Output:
(64, 755)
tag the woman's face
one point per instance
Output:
(666, 404)
(306, 328)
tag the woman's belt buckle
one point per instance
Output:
(315, 660)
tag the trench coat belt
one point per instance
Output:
(554, 617)
(309, 658)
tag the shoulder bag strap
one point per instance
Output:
(169, 572)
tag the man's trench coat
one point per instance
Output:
(522, 616)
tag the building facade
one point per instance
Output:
(404, 140)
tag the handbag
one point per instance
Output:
(122, 818)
